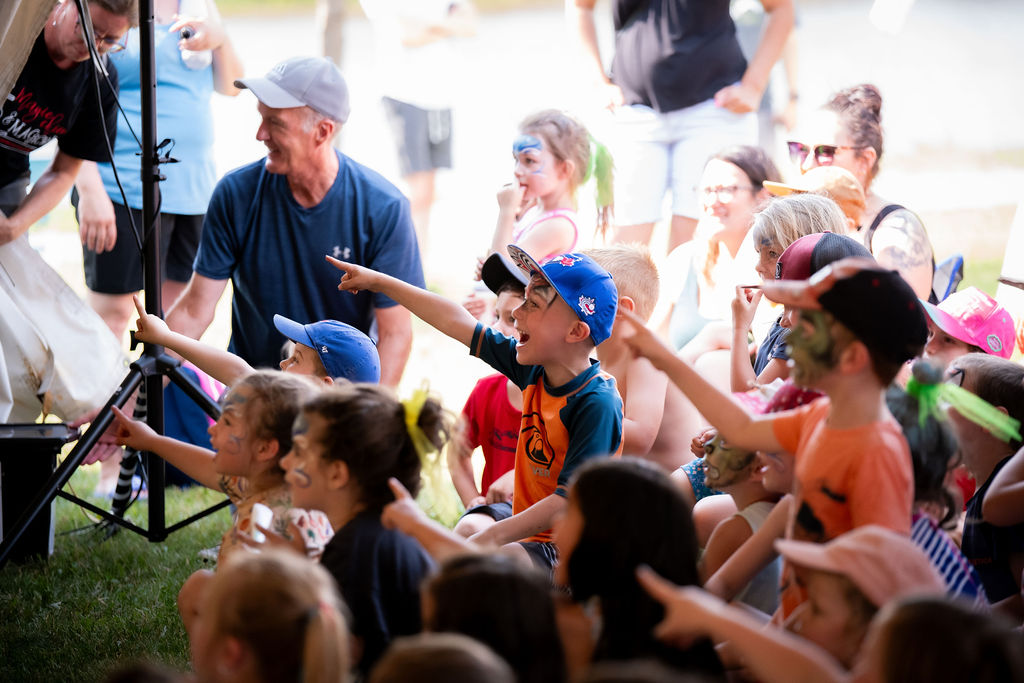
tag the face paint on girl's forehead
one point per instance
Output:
(301, 425)
(525, 143)
(233, 399)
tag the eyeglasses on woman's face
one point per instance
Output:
(724, 193)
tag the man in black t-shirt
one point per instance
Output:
(54, 97)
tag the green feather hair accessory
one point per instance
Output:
(926, 385)
(602, 169)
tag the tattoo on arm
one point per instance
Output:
(908, 246)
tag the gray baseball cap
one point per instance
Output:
(313, 82)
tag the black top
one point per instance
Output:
(378, 572)
(671, 54)
(46, 103)
(990, 548)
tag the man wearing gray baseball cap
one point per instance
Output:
(270, 223)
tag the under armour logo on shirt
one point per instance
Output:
(340, 253)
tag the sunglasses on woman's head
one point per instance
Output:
(824, 155)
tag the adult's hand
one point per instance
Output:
(8, 230)
(207, 33)
(738, 98)
(609, 95)
(96, 223)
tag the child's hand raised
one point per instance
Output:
(641, 340)
(132, 433)
(403, 514)
(356, 278)
(687, 608)
(510, 198)
(697, 445)
(744, 305)
(149, 328)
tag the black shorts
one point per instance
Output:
(423, 136)
(496, 511)
(120, 271)
(544, 554)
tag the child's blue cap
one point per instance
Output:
(345, 352)
(585, 286)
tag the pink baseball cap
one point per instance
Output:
(881, 563)
(973, 317)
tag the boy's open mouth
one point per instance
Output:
(523, 337)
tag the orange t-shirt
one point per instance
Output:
(844, 478)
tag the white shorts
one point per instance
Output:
(655, 152)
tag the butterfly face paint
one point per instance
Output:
(725, 465)
(811, 347)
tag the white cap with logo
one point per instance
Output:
(313, 82)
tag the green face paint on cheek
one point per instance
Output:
(811, 347)
(724, 464)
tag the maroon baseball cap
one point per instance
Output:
(811, 253)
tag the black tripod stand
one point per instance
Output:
(154, 364)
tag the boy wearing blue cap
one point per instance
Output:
(571, 409)
(327, 350)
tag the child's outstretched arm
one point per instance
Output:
(733, 422)
(771, 653)
(406, 516)
(223, 366)
(194, 461)
(1004, 502)
(446, 316)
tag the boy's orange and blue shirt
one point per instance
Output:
(561, 427)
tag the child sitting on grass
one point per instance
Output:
(348, 441)
(858, 325)
(252, 434)
(571, 410)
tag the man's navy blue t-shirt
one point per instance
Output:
(273, 251)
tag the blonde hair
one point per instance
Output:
(286, 610)
(786, 219)
(634, 272)
(566, 138)
(274, 401)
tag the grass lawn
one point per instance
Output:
(96, 602)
